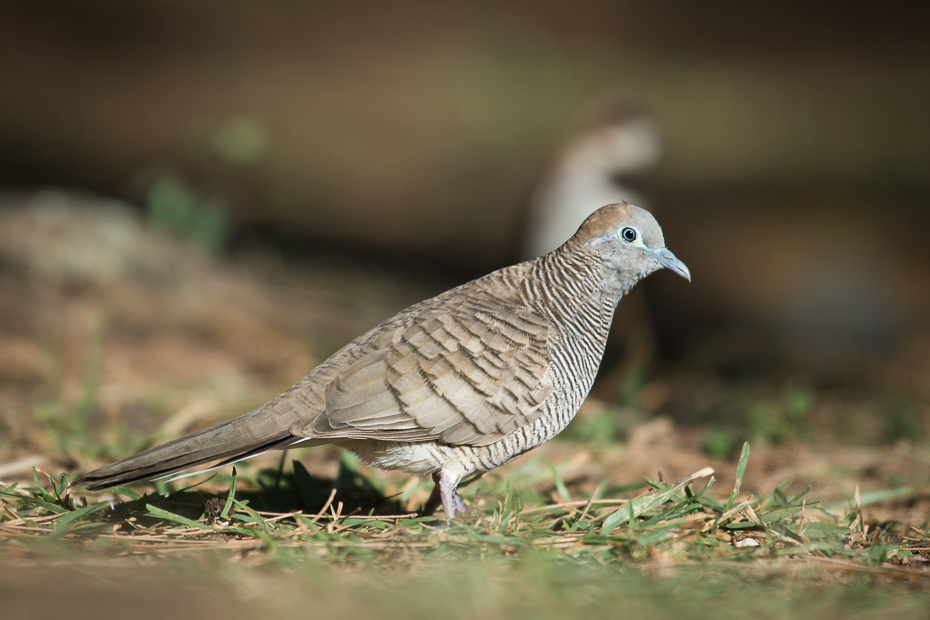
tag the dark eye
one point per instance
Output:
(628, 235)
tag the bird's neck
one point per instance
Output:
(570, 282)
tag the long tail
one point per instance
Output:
(231, 441)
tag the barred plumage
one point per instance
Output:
(460, 383)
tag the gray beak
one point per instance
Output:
(667, 259)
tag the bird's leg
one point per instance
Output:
(451, 501)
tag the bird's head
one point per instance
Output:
(629, 241)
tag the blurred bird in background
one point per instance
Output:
(602, 165)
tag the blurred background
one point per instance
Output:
(203, 200)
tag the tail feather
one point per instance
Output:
(231, 441)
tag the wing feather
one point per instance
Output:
(465, 370)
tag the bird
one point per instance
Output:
(452, 386)
(602, 164)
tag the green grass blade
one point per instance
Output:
(740, 471)
(154, 511)
(560, 484)
(121, 490)
(231, 497)
(253, 517)
(641, 505)
(61, 525)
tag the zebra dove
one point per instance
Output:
(458, 384)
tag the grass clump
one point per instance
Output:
(676, 520)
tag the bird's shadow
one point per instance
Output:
(276, 492)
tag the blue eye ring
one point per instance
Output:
(628, 234)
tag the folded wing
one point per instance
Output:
(466, 374)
